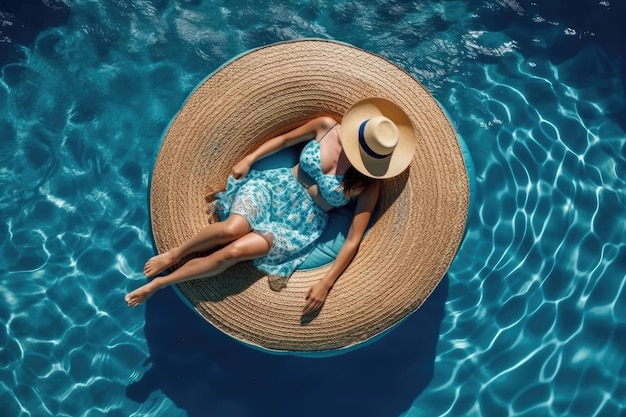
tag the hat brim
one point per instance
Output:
(402, 155)
(420, 218)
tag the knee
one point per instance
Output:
(249, 247)
(234, 252)
(234, 228)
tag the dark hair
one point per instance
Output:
(354, 181)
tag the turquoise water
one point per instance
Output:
(530, 320)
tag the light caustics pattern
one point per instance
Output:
(535, 309)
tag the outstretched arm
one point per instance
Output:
(307, 131)
(316, 295)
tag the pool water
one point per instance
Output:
(530, 320)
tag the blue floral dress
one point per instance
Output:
(276, 204)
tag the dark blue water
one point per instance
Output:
(21, 21)
(528, 321)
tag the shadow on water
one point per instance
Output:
(205, 372)
(21, 21)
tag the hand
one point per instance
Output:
(315, 297)
(240, 169)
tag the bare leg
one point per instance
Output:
(250, 246)
(210, 237)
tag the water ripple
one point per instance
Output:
(534, 316)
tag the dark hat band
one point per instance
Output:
(364, 144)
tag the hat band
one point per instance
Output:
(364, 144)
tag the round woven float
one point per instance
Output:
(410, 245)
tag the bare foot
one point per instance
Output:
(141, 294)
(158, 264)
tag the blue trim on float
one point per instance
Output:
(471, 178)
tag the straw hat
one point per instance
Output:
(419, 222)
(378, 138)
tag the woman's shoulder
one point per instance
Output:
(324, 122)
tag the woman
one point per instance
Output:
(274, 217)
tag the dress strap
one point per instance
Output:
(328, 131)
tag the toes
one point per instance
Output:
(132, 299)
(155, 265)
(148, 271)
(129, 300)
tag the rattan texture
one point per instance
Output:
(420, 220)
